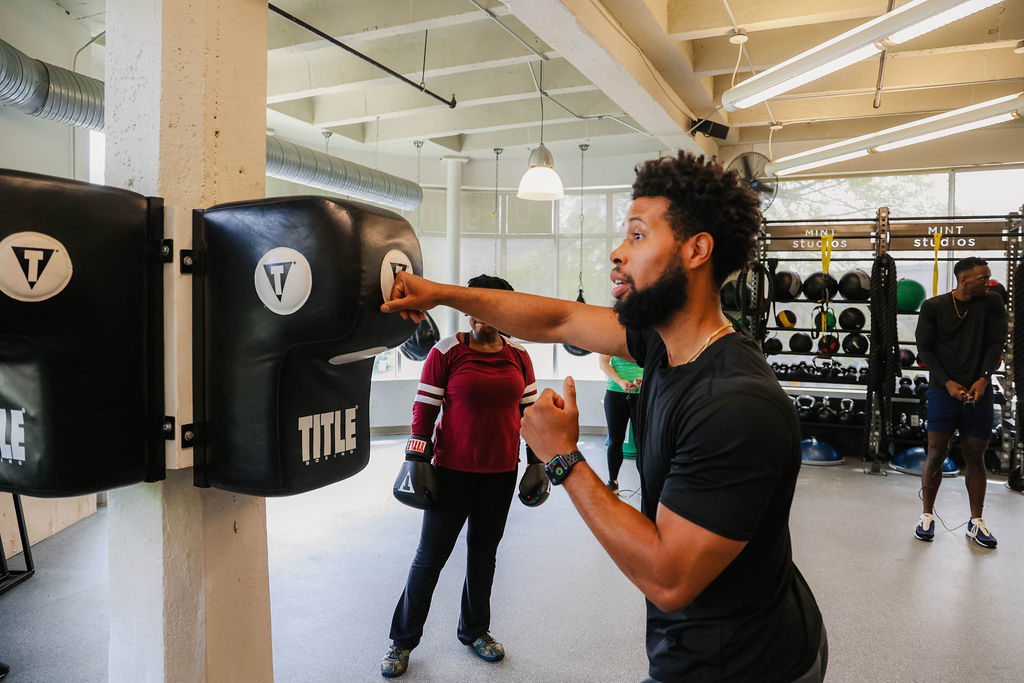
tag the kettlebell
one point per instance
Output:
(902, 430)
(920, 385)
(850, 374)
(862, 375)
(805, 406)
(826, 413)
(906, 387)
(845, 411)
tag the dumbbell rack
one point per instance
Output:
(904, 241)
(792, 242)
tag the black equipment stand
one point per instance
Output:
(9, 578)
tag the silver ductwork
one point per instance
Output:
(52, 92)
(49, 91)
(302, 165)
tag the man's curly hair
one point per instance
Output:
(703, 197)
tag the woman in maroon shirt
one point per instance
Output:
(483, 381)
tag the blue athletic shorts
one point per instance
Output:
(946, 413)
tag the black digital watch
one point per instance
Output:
(559, 466)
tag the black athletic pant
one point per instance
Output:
(616, 414)
(484, 500)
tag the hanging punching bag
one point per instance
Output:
(575, 350)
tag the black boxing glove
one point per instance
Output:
(416, 484)
(534, 487)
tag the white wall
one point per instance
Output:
(43, 31)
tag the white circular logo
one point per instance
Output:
(283, 280)
(394, 261)
(33, 266)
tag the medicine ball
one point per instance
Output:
(828, 344)
(786, 318)
(852, 319)
(729, 295)
(907, 358)
(800, 342)
(820, 287)
(826, 317)
(787, 285)
(855, 286)
(909, 295)
(422, 340)
(772, 345)
(995, 286)
(855, 343)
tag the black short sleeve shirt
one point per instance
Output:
(719, 444)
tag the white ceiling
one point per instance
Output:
(654, 64)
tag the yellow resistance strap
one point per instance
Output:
(826, 260)
(936, 243)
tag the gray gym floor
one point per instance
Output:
(896, 609)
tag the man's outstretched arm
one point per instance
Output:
(526, 316)
(671, 560)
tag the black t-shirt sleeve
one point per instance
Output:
(726, 469)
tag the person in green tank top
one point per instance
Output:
(624, 380)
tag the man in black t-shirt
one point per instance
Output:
(960, 337)
(718, 441)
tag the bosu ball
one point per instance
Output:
(814, 452)
(81, 340)
(287, 323)
(911, 461)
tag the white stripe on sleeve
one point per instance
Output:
(430, 389)
(426, 399)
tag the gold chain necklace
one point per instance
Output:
(707, 342)
(957, 309)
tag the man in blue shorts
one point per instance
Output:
(960, 337)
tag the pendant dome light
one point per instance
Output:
(540, 182)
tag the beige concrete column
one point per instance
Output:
(185, 120)
(453, 229)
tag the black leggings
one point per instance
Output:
(616, 414)
(484, 500)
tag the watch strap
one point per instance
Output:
(560, 466)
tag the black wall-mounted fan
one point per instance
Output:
(749, 166)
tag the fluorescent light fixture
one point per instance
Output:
(938, 126)
(909, 21)
(540, 182)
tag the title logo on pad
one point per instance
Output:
(395, 261)
(283, 280)
(33, 266)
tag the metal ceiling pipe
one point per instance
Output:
(289, 161)
(51, 92)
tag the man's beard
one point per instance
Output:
(654, 304)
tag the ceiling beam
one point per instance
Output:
(454, 50)
(695, 19)
(997, 25)
(494, 86)
(359, 21)
(910, 70)
(596, 44)
(507, 116)
(921, 102)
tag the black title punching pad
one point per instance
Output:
(81, 342)
(286, 311)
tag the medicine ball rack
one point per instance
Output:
(885, 241)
